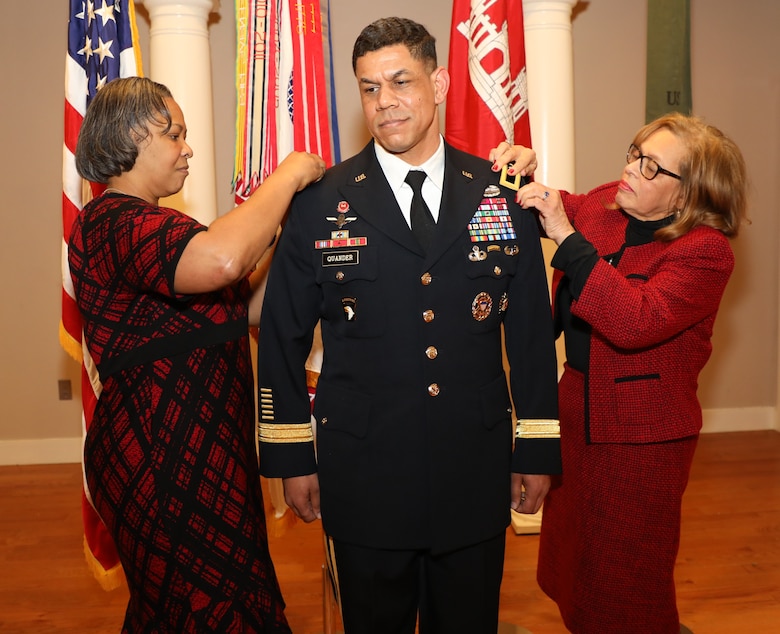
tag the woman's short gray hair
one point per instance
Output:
(116, 121)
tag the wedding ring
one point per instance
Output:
(546, 195)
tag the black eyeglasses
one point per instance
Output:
(649, 168)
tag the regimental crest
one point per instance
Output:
(341, 219)
(481, 306)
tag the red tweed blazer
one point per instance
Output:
(651, 319)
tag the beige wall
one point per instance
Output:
(736, 85)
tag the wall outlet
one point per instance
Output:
(66, 392)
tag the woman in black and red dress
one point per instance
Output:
(641, 267)
(170, 456)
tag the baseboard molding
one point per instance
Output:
(40, 451)
(66, 450)
(739, 419)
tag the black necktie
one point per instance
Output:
(423, 224)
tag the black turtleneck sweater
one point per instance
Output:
(576, 257)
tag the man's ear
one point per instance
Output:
(441, 84)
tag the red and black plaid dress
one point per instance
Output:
(170, 456)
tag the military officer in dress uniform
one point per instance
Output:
(415, 469)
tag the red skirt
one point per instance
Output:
(611, 528)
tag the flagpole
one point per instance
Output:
(549, 61)
(180, 58)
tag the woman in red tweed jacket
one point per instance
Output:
(641, 267)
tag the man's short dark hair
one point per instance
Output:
(391, 31)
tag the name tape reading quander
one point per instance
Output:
(340, 258)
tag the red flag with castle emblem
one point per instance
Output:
(488, 99)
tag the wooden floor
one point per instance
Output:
(728, 573)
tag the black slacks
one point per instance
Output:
(457, 592)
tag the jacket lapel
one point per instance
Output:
(371, 198)
(462, 193)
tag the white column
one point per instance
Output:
(180, 58)
(550, 67)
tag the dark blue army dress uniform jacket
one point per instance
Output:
(413, 411)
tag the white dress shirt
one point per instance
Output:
(396, 169)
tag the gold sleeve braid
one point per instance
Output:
(538, 428)
(272, 432)
(284, 432)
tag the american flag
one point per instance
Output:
(284, 87)
(488, 98)
(102, 45)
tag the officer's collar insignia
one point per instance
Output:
(513, 182)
